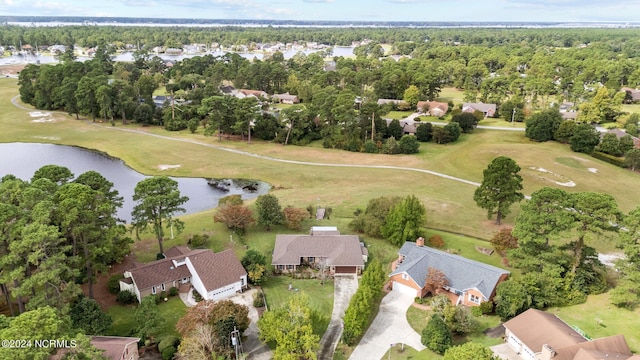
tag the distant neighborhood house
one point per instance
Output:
(538, 335)
(489, 110)
(470, 282)
(433, 108)
(213, 275)
(620, 134)
(394, 102)
(286, 98)
(323, 247)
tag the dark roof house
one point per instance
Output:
(489, 110)
(472, 281)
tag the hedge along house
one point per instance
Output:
(213, 275)
(323, 247)
(471, 281)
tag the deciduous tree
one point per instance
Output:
(405, 221)
(291, 329)
(584, 139)
(435, 280)
(500, 188)
(469, 351)
(504, 240)
(235, 217)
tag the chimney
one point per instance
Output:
(547, 352)
(420, 241)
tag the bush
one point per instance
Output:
(173, 291)
(436, 241)
(486, 307)
(114, 284)
(168, 353)
(258, 300)
(166, 342)
(476, 311)
(409, 144)
(125, 297)
(613, 160)
(196, 296)
(198, 241)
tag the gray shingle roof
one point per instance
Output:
(340, 250)
(461, 272)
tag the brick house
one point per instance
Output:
(470, 282)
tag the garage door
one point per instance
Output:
(345, 269)
(405, 289)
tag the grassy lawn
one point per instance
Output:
(451, 94)
(277, 293)
(124, 323)
(418, 319)
(501, 123)
(598, 318)
(399, 115)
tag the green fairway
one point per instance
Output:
(449, 203)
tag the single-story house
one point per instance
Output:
(566, 106)
(569, 115)
(324, 246)
(538, 335)
(409, 127)
(489, 110)
(259, 94)
(286, 98)
(433, 108)
(621, 133)
(633, 93)
(471, 281)
(394, 102)
(213, 275)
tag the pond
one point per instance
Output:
(23, 159)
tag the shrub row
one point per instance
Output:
(358, 315)
(613, 160)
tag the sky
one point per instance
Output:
(344, 10)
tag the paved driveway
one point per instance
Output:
(252, 346)
(389, 327)
(505, 352)
(344, 286)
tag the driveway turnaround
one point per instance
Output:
(344, 286)
(390, 327)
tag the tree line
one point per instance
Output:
(491, 67)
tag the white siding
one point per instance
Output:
(196, 281)
(224, 291)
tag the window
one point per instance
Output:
(474, 299)
(242, 281)
(405, 277)
(280, 267)
(290, 267)
(153, 290)
(162, 287)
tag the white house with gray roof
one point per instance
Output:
(470, 282)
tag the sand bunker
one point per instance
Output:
(593, 170)
(167, 167)
(41, 116)
(562, 181)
